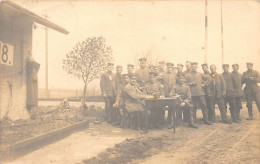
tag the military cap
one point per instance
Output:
(124, 75)
(194, 63)
(179, 64)
(169, 64)
(204, 64)
(161, 62)
(110, 64)
(151, 73)
(130, 65)
(142, 59)
(132, 77)
(119, 66)
(225, 65)
(249, 63)
(235, 65)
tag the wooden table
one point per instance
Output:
(160, 104)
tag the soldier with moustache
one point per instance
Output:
(237, 78)
(218, 92)
(230, 93)
(130, 70)
(195, 80)
(250, 79)
(142, 74)
(188, 68)
(134, 102)
(108, 91)
(180, 68)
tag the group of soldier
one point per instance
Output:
(194, 89)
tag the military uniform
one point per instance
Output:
(237, 78)
(195, 81)
(230, 95)
(251, 90)
(142, 76)
(218, 91)
(168, 80)
(185, 97)
(108, 89)
(155, 89)
(133, 103)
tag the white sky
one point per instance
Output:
(170, 30)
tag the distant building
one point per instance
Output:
(16, 26)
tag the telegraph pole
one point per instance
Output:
(222, 42)
(206, 32)
(46, 59)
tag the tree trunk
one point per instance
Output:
(84, 95)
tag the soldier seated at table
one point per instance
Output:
(134, 103)
(182, 91)
(154, 88)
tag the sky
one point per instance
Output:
(173, 31)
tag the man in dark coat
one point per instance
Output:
(142, 74)
(251, 78)
(230, 93)
(195, 80)
(183, 91)
(237, 78)
(134, 102)
(205, 69)
(32, 68)
(218, 92)
(108, 91)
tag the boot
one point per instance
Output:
(238, 116)
(234, 116)
(250, 117)
(191, 123)
(226, 121)
(207, 122)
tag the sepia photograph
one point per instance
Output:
(129, 82)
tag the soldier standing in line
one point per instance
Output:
(237, 78)
(154, 88)
(119, 85)
(218, 92)
(180, 68)
(142, 74)
(183, 91)
(251, 78)
(205, 69)
(162, 67)
(195, 81)
(175, 70)
(108, 90)
(130, 70)
(156, 71)
(230, 93)
(188, 67)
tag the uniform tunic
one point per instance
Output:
(168, 80)
(237, 78)
(229, 81)
(142, 76)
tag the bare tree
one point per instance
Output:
(88, 60)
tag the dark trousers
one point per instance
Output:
(188, 109)
(109, 100)
(199, 101)
(221, 106)
(208, 102)
(231, 100)
(249, 98)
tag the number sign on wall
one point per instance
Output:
(6, 54)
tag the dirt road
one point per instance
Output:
(219, 143)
